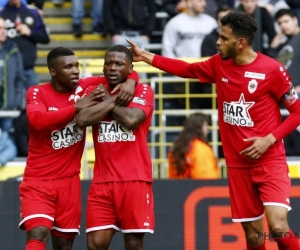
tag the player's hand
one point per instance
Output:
(259, 146)
(126, 91)
(105, 92)
(91, 99)
(136, 51)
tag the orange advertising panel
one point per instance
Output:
(222, 233)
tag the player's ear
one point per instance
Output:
(131, 68)
(242, 42)
(52, 72)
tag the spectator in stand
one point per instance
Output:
(129, 18)
(4, 2)
(184, 33)
(21, 136)
(37, 3)
(265, 24)
(208, 47)
(191, 156)
(285, 46)
(12, 77)
(26, 28)
(8, 150)
(174, 7)
(78, 12)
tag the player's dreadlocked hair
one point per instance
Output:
(192, 129)
(242, 25)
(57, 52)
(122, 49)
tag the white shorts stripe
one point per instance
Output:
(277, 204)
(71, 230)
(247, 219)
(36, 216)
(102, 228)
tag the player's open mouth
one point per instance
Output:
(112, 77)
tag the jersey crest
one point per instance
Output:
(252, 86)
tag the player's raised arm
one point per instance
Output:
(139, 54)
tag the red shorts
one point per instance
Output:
(55, 204)
(253, 188)
(123, 206)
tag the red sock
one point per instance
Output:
(288, 242)
(35, 245)
(260, 247)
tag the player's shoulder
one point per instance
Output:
(270, 67)
(267, 61)
(40, 87)
(38, 90)
(144, 87)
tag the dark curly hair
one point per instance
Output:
(242, 25)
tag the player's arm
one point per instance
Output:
(128, 117)
(126, 89)
(261, 144)
(204, 71)
(140, 107)
(292, 104)
(93, 114)
(40, 118)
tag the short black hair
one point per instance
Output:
(123, 49)
(242, 25)
(57, 52)
(283, 12)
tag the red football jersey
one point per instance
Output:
(122, 154)
(248, 101)
(56, 144)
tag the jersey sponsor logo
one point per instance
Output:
(67, 136)
(139, 100)
(224, 79)
(113, 132)
(252, 85)
(255, 75)
(290, 97)
(52, 109)
(237, 113)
